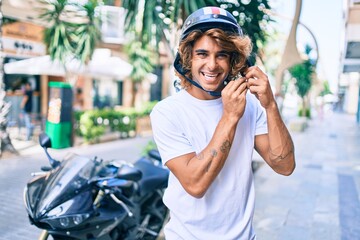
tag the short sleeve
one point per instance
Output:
(261, 120)
(168, 136)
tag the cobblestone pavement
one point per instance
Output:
(320, 200)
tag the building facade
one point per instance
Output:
(350, 59)
(104, 82)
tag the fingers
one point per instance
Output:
(256, 77)
(259, 85)
(252, 82)
(255, 72)
(233, 85)
(236, 86)
(234, 98)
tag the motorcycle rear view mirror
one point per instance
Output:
(44, 140)
(45, 143)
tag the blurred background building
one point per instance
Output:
(350, 58)
(103, 82)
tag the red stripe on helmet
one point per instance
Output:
(215, 10)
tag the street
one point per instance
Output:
(320, 200)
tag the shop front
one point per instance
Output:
(22, 41)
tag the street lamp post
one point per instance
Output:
(5, 141)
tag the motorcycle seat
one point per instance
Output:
(154, 153)
(153, 177)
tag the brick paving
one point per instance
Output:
(319, 201)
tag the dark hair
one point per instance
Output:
(239, 46)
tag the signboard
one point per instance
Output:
(23, 39)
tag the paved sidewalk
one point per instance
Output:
(320, 200)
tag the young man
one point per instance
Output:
(206, 133)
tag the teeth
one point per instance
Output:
(209, 75)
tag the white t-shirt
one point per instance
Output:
(183, 124)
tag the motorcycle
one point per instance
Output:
(84, 198)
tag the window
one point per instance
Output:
(113, 21)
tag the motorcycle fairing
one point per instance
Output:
(62, 184)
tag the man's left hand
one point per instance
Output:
(259, 85)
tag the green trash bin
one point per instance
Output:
(59, 116)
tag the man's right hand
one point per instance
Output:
(234, 99)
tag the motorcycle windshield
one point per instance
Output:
(66, 181)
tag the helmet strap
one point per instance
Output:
(181, 71)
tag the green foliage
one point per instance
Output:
(124, 121)
(326, 89)
(146, 108)
(141, 60)
(306, 113)
(66, 38)
(89, 128)
(163, 15)
(303, 73)
(56, 37)
(87, 35)
(149, 146)
(94, 123)
(252, 19)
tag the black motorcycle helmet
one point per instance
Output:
(204, 19)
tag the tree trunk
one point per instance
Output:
(303, 111)
(5, 141)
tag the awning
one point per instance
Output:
(42, 66)
(102, 65)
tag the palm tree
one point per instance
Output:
(70, 34)
(160, 20)
(73, 33)
(141, 60)
(303, 74)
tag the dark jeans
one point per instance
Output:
(28, 124)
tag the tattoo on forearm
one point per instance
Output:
(225, 147)
(200, 156)
(275, 157)
(213, 154)
(208, 166)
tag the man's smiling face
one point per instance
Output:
(210, 64)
